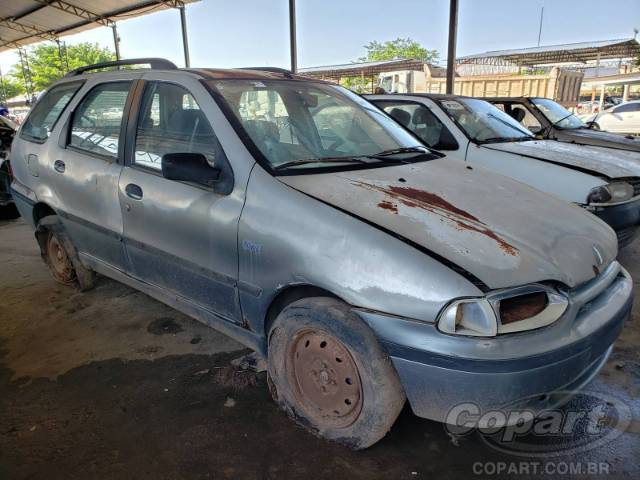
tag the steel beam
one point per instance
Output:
(451, 50)
(292, 36)
(29, 30)
(78, 12)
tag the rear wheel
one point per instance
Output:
(58, 261)
(329, 373)
(60, 255)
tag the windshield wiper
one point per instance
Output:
(304, 161)
(397, 151)
(555, 124)
(505, 139)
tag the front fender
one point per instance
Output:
(288, 238)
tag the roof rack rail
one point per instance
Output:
(154, 63)
(269, 69)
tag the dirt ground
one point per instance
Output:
(110, 384)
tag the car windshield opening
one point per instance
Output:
(558, 115)
(302, 125)
(483, 122)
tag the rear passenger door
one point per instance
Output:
(180, 236)
(87, 169)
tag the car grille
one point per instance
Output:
(627, 235)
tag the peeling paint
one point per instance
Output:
(392, 207)
(416, 198)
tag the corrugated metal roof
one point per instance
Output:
(569, 52)
(362, 68)
(23, 22)
(349, 66)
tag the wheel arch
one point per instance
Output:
(41, 210)
(286, 296)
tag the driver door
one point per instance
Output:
(181, 237)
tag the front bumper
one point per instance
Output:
(624, 219)
(530, 370)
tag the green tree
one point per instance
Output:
(398, 49)
(10, 88)
(46, 64)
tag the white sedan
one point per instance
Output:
(623, 118)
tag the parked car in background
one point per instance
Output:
(602, 180)
(302, 221)
(550, 120)
(7, 131)
(623, 118)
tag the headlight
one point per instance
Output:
(473, 317)
(611, 193)
(506, 311)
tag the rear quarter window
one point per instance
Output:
(45, 114)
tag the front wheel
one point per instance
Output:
(328, 371)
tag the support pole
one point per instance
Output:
(116, 41)
(4, 91)
(540, 28)
(451, 51)
(60, 56)
(292, 36)
(26, 74)
(601, 103)
(625, 93)
(185, 39)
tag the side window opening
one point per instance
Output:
(421, 121)
(45, 114)
(171, 121)
(97, 120)
(522, 115)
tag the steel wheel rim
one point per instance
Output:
(59, 260)
(325, 378)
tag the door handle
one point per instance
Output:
(133, 191)
(59, 166)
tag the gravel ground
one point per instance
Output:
(110, 384)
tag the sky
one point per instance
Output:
(225, 33)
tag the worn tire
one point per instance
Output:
(61, 256)
(356, 413)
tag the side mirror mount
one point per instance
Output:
(189, 167)
(535, 129)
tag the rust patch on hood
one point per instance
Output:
(385, 204)
(428, 198)
(415, 198)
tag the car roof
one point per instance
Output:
(432, 96)
(257, 73)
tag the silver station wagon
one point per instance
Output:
(301, 220)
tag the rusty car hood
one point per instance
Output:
(497, 229)
(600, 161)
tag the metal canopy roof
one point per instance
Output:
(571, 52)
(23, 22)
(336, 72)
